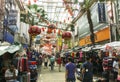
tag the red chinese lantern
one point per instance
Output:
(52, 26)
(49, 30)
(66, 35)
(38, 30)
(34, 30)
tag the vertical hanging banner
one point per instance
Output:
(12, 20)
(12, 17)
(101, 12)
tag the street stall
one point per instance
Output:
(108, 52)
(7, 52)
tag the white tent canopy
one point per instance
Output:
(111, 44)
(9, 49)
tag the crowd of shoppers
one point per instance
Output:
(90, 64)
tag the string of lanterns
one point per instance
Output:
(67, 2)
(34, 30)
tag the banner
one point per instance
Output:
(101, 12)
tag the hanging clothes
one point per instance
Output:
(23, 64)
(81, 55)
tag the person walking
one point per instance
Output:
(115, 69)
(52, 61)
(87, 70)
(59, 62)
(46, 61)
(70, 71)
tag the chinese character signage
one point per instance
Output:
(101, 12)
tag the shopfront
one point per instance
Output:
(101, 35)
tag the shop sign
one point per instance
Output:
(101, 35)
(101, 12)
(87, 39)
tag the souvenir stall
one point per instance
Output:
(21, 62)
(7, 56)
(108, 52)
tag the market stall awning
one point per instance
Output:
(13, 48)
(3, 49)
(111, 44)
(9, 49)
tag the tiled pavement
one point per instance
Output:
(47, 75)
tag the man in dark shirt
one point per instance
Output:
(70, 71)
(87, 70)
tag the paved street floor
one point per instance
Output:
(47, 75)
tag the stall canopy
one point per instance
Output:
(10, 49)
(111, 44)
(3, 49)
(13, 48)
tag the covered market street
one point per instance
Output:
(59, 40)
